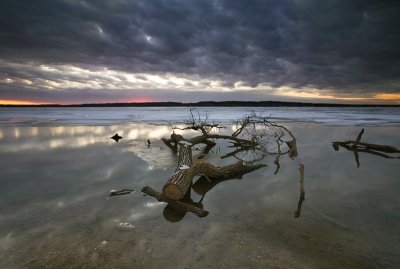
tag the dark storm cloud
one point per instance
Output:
(345, 46)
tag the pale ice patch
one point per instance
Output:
(157, 157)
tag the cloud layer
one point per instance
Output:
(338, 48)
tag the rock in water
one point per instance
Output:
(116, 137)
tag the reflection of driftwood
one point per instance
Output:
(179, 204)
(302, 192)
(278, 155)
(174, 214)
(204, 185)
(374, 149)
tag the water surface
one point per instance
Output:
(54, 210)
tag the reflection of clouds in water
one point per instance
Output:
(44, 207)
(144, 132)
(20, 139)
(136, 216)
(153, 204)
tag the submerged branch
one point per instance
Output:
(302, 192)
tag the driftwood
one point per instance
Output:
(302, 192)
(119, 192)
(178, 186)
(357, 146)
(253, 137)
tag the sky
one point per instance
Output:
(104, 51)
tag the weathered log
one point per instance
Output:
(181, 180)
(200, 167)
(179, 183)
(179, 204)
(212, 175)
(237, 170)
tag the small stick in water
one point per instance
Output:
(119, 192)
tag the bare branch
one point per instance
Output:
(252, 139)
(358, 146)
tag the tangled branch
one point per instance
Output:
(254, 137)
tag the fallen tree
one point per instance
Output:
(254, 138)
(179, 183)
(357, 146)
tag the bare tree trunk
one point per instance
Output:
(179, 183)
(177, 186)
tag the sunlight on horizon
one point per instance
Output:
(20, 102)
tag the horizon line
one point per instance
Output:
(202, 103)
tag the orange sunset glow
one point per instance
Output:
(138, 100)
(19, 102)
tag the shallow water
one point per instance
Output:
(54, 210)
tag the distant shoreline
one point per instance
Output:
(209, 104)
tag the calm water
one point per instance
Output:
(56, 173)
